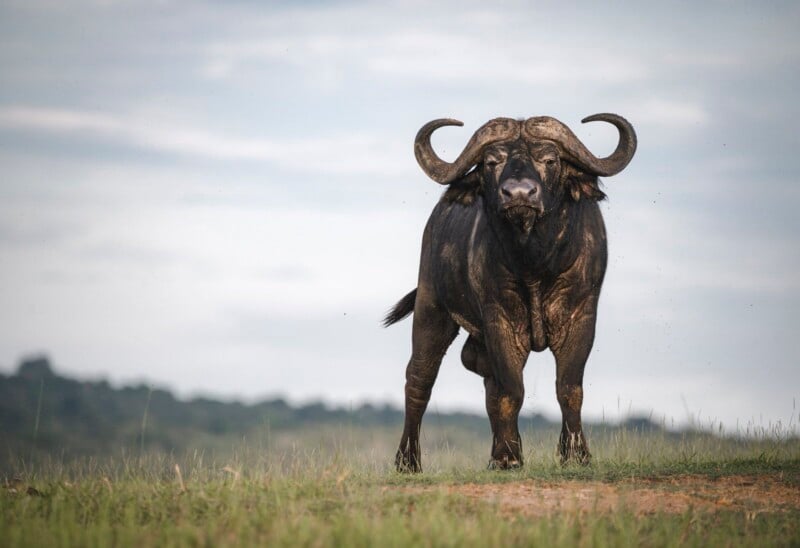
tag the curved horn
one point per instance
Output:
(544, 127)
(499, 129)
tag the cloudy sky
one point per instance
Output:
(222, 198)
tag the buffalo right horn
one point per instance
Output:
(499, 129)
(544, 127)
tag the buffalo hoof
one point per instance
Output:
(505, 464)
(407, 463)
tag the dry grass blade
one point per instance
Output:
(180, 478)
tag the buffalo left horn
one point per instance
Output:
(499, 129)
(544, 127)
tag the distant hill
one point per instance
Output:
(43, 413)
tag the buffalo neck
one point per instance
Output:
(543, 250)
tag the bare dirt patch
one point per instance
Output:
(752, 494)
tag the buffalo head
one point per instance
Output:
(524, 168)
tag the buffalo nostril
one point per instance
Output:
(525, 189)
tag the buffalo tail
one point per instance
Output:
(403, 308)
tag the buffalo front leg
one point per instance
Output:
(503, 405)
(571, 358)
(507, 350)
(433, 332)
(475, 359)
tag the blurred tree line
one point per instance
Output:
(43, 413)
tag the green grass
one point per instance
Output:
(337, 488)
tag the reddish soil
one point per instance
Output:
(752, 494)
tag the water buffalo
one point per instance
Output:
(514, 253)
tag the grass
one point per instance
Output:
(337, 488)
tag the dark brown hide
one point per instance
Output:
(514, 253)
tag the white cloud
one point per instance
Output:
(459, 59)
(446, 57)
(354, 153)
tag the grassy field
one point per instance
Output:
(336, 488)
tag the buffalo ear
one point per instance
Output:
(580, 184)
(464, 190)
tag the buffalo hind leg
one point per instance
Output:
(571, 359)
(432, 334)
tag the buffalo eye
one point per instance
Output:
(550, 162)
(491, 161)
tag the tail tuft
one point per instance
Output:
(402, 309)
